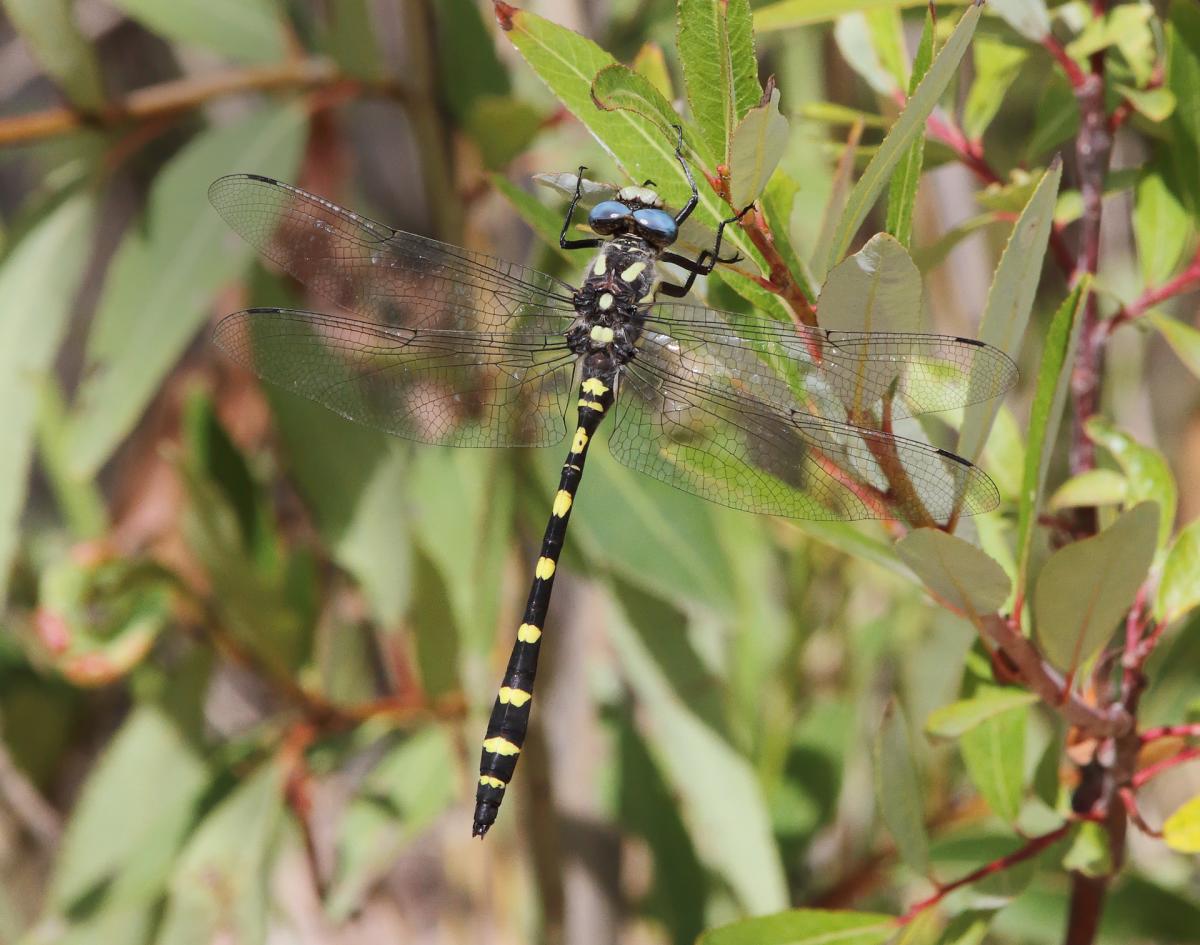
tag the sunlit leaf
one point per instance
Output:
(1162, 228)
(38, 281)
(1010, 299)
(246, 30)
(997, 65)
(805, 927)
(49, 27)
(1096, 487)
(1146, 470)
(1182, 829)
(618, 87)
(651, 63)
(958, 718)
(1179, 586)
(758, 143)
(956, 571)
(898, 790)
(788, 14)
(716, 48)
(1086, 587)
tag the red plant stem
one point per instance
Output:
(1075, 75)
(1191, 730)
(1031, 849)
(1129, 802)
(1186, 281)
(1153, 771)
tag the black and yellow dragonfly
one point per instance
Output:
(448, 346)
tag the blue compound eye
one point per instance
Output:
(657, 226)
(608, 216)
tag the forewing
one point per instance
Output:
(834, 374)
(457, 388)
(737, 451)
(372, 269)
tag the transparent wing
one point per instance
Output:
(835, 374)
(456, 388)
(741, 452)
(370, 269)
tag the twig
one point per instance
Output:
(1153, 771)
(1186, 281)
(1129, 802)
(1191, 730)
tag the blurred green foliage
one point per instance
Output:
(249, 648)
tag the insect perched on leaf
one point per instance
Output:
(453, 347)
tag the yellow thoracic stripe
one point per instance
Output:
(528, 633)
(601, 265)
(592, 405)
(488, 781)
(633, 271)
(499, 745)
(580, 440)
(517, 697)
(545, 568)
(593, 385)
(562, 503)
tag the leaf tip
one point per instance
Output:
(504, 14)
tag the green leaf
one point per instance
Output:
(1056, 119)
(1180, 159)
(246, 30)
(1010, 298)
(778, 203)
(887, 32)
(997, 65)
(1183, 339)
(898, 790)
(468, 66)
(1162, 228)
(958, 718)
(876, 289)
(502, 127)
(967, 928)
(1053, 383)
(725, 811)
(50, 30)
(1179, 586)
(1146, 470)
(805, 927)
(908, 126)
(716, 48)
(1156, 105)
(1126, 26)
(352, 42)
(902, 192)
(651, 64)
(38, 281)
(758, 143)
(1085, 588)
(1030, 18)
(956, 571)
(1093, 487)
(858, 46)
(159, 289)
(994, 754)
(1089, 852)
(932, 255)
(1182, 829)
(789, 14)
(221, 885)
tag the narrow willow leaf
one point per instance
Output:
(958, 718)
(1182, 829)
(997, 65)
(49, 27)
(618, 87)
(898, 790)
(858, 47)
(906, 181)
(246, 30)
(789, 14)
(932, 255)
(956, 571)
(1179, 586)
(1183, 339)
(173, 261)
(1053, 382)
(1096, 487)
(805, 927)
(38, 281)
(1146, 469)
(887, 32)
(994, 754)
(651, 63)
(908, 126)
(1162, 228)
(1030, 18)
(1010, 299)
(1085, 588)
(758, 143)
(876, 289)
(716, 48)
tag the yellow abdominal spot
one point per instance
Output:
(602, 335)
(593, 385)
(633, 271)
(516, 697)
(545, 568)
(562, 503)
(606, 301)
(498, 745)
(488, 781)
(592, 405)
(528, 633)
(601, 265)
(580, 440)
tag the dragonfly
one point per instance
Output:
(445, 345)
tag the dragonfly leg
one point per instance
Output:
(590, 243)
(687, 172)
(703, 264)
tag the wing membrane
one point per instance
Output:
(371, 269)
(455, 388)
